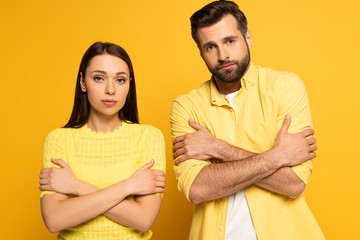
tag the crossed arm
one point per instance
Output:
(61, 212)
(238, 168)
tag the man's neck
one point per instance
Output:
(227, 88)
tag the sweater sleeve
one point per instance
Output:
(54, 147)
(153, 147)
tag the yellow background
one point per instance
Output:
(41, 46)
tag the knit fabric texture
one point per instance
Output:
(103, 159)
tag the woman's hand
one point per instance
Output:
(146, 181)
(61, 180)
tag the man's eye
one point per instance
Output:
(231, 41)
(210, 47)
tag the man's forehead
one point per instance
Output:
(226, 27)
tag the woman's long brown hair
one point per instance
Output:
(81, 108)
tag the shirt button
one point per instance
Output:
(248, 85)
(231, 110)
(230, 138)
(221, 228)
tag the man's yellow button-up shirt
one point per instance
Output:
(264, 99)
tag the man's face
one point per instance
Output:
(224, 49)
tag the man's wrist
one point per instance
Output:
(277, 157)
(219, 150)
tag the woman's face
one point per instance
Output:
(107, 83)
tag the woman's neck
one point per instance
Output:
(103, 124)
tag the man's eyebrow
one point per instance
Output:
(225, 38)
(231, 37)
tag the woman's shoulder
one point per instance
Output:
(145, 129)
(55, 137)
(56, 133)
(59, 133)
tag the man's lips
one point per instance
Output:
(226, 66)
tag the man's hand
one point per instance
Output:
(200, 144)
(297, 148)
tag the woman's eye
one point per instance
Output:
(120, 80)
(98, 79)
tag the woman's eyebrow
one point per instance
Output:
(103, 72)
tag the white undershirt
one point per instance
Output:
(239, 225)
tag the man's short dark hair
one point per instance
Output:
(214, 12)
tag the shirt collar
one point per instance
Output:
(216, 97)
(250, 77)
(246, 82)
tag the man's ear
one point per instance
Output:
(200, 51)
(248, 38)
(82, 83)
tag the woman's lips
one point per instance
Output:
(109, 103)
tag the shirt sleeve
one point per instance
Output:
(187, 171)
(54, 147)
(294, 101)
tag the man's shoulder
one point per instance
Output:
(273, 77)
(285, 88)
(196, 95)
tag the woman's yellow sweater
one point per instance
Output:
(102, 160)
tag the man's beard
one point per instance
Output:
(231, 75)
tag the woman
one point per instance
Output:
(107, 186)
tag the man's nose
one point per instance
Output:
(223, 54)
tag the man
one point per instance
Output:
(242, 141)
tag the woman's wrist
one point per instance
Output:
(125, 186)
(82, 188)
(77, 187)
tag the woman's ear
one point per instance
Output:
(82, 83)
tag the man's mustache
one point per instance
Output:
(224, 63)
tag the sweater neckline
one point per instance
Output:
(87, 130)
